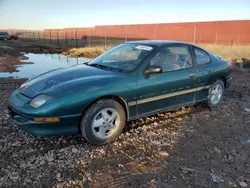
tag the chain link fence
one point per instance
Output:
(72, 39)
(76, 38)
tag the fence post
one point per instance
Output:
(216, 38)
(57, 36)
(39, 35)
(238, 40)
(126, 32)
(34, 36)
(50, 37)
(43, 36)
(105, 40)
(89, 39)
(194, 34)
(66, 37)
(155, 32)
(76, 38)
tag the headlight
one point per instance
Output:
(39, 100)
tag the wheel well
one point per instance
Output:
(120, 100)
(223, 79)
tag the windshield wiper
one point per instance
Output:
(102, 67)
(98, 65)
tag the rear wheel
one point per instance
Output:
(103, 122)
(215, 94)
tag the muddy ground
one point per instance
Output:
(189, 147)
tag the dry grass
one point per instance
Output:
(228, 52)
(89, 52)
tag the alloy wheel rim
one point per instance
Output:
(216, 94)
(105, 123)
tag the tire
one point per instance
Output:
(215, 94)
(103, 115)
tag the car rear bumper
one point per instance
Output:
(67, 124)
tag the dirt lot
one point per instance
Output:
(188, 147)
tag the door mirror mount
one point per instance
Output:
(153, 69)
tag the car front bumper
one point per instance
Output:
(67, 124)
(23, 117)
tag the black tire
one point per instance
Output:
(88, 117)
(209, 101)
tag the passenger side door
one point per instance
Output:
(173, 87)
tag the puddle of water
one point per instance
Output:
(42, 63)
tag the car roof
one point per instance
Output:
(158, 42)
(163, 43)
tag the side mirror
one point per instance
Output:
(153, 69)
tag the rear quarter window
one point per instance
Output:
(201, 57)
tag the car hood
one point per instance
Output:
(59, 81)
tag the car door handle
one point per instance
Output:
(192, 75)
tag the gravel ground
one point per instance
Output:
(189, 147)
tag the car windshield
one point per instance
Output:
(124, 57)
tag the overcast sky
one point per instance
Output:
(41, 14)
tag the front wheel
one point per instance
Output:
(215, 93)
(103, 122)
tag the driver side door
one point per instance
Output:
(174, 87)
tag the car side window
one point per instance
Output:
(201, 57)
(173, 58)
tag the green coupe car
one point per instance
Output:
(127, 82)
